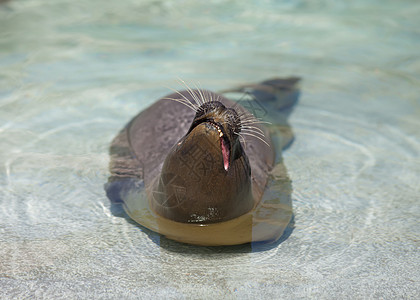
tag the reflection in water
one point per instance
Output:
(272, 208)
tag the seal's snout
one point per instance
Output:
(215, 112)
(225, 121)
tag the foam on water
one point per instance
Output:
(72, 74)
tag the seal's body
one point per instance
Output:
(196, 164)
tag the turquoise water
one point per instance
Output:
(72, 73)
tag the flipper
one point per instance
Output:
(280, 94)
(271, 100)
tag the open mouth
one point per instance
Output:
(224, 140)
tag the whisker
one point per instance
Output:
(253, 129)
(193, 105)
(260, 132)
(247, 116)
(241, 137)
(208, 97)
(250, 122)
(192, 93)
(203, 99)
(205, 94)
(184, 102)
(256, 136)
(187, 99)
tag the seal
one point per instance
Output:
(200, 168)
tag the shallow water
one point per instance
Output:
(72, 74)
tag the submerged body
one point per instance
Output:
(199, 168)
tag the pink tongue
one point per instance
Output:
(225, 153)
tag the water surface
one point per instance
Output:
(72, 73)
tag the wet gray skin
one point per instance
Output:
(209, 164)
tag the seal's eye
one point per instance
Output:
(208, 107)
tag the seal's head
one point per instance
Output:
(206, 177)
